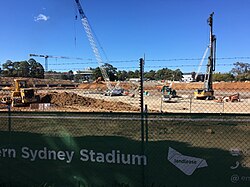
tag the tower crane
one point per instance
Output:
(50, 56)
(207, 92)
(93, 43)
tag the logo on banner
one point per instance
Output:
(186, 164)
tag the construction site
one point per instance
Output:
(103, 95)
(133, 131)
(90, 97)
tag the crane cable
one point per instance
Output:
(75, 31)
(201, 62)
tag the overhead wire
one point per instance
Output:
(158, 60)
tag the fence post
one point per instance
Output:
(190, 104)
(142, 117)
(146, 122)
(9, 118)
(141, 99)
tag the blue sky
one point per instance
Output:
(160, 29)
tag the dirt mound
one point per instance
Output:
(66, 99)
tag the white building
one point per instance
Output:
(187, 77)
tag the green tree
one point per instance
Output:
(29, 68)
(24, 69)
(70, 75)
(36, 69)
(8, 68)
(131, 74)
(97, 73)
(241, 71)
(177, 75)
(122, 75)
(164, 74)
(150, 75)
(110, 70)
(223, 77)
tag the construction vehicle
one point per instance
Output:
(22, 95)
(168, 93)
(207, 91)
(112, 90)
(230, 98)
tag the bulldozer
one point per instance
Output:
(22, 95)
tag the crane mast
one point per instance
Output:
(93, 44)
(211, 59)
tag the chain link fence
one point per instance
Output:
(124, 149)
(229, 97)
(155, 133)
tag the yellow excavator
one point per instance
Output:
(22, 95)
(207, 91)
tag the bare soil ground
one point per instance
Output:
(73, 100)
(88, 98)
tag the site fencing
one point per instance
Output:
(80, 136)
(67, 96)
(124, 149)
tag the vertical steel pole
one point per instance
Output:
(142, 116)
(9, 119)
(146, 122)
(141, 98)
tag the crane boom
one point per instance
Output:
(50, 56)
(93, 44)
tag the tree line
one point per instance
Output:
(33, 69)
(30, 68)
(122, 75)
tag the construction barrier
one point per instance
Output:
(124, 149)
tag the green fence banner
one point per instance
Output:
(28, 159)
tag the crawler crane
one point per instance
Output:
(112, 91)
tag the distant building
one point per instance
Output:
(86, 74)
(134, 79)
(188, 77)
